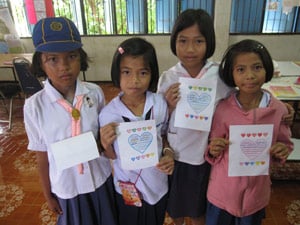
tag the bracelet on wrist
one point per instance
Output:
(168, 149)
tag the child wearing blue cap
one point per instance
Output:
(65, 108)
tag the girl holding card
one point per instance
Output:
(141, 193)
(64, 109)
(236, 200)
(193, 42)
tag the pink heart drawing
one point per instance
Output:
(252, 149)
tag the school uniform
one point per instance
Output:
(188, 183)
(242, 198)
(150, 182)
(90, 195)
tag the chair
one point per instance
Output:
(8, 91)
(28, 82)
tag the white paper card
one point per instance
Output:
(195, 108)
(137, 144)
(249, 149)
(75, 150)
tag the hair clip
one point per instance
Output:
(259, 46)
(121, 50)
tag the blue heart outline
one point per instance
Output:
(198, 102)
(141, 142)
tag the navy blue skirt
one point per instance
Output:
(95, 208)
(145, 215)
(217, 216)
(187, 190)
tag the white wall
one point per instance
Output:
(101, 48)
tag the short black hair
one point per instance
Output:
(36, 65)
(245, 46)
(136, 47)
(205, 24)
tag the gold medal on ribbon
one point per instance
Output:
(75, 114)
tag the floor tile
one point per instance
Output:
(22, 201)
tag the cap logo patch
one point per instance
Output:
(56, 26)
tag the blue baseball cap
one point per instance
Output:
(56, 34)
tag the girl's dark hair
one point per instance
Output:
(136, 47)
(205, 24)
(36, 66)
(245, 46)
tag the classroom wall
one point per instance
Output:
(101, 48)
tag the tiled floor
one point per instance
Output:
(22, 202)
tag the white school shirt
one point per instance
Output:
(151, 183)
(46, 122)
(189, 145)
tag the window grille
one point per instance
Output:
(114, 17)
(267, 16)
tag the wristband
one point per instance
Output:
(167, 149)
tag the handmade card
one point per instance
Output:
(74, 150)
(284, 91)
(249, 149)
(137, 144)
(195, 108)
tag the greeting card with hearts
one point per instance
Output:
(137, 144)
(195, 108)
(249, 149)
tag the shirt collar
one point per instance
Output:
(127, 113)
(54, 95)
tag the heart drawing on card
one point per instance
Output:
(198, 102)
(252, 149)
(141, 142)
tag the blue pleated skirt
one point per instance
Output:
(217, 216)
(145, 215)
(95, 208)
(187, 190)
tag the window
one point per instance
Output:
(268, 16)
(110, 17)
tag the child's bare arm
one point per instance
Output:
(280, 151)
(216, 146)
(107, 137)
(289, 118)
(166, 162)
(43, 169)
(172, 96)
